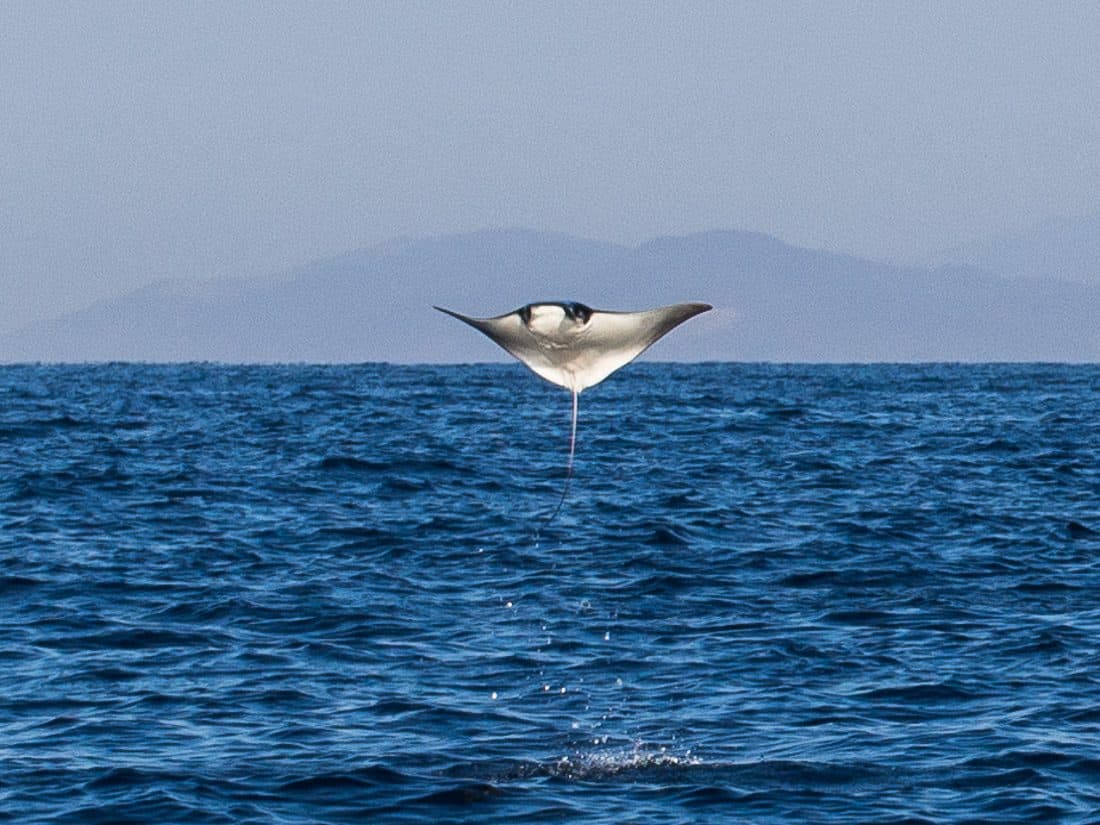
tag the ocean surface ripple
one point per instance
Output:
(305, 594)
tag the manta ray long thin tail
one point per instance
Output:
(569, 467)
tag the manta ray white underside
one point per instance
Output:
(577, 347)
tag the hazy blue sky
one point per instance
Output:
(149, 140)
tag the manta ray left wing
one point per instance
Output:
(507, 330)
(576, 347)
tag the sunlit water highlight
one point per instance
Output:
(775, 593)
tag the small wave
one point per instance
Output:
(462, 795)
(18, 582)
(404, 484)
(871, 618)
(1046, 585)
(997, 778)
(814, 578)
(61, 422)
(921, 694)
(136, 638)
(786, 413)
(347, 462)
(1077, 530)
(126, 777)
(994, 445)
(33, 428)
(175, 495)
(355, 534)
(668, 537)
(112, 674)
(663, 583)
(368, 777)
(130, 424)
(397, 707)
(405, 464)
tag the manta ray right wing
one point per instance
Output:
(575, 347)
(612, 340)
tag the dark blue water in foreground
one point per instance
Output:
(775, 594)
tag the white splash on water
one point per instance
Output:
(611, 762)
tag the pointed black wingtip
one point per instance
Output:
(694, 308)
(684, 309)
(476, 323)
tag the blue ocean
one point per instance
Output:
(774, 593)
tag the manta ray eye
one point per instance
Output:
(580, 312)
(525, 314)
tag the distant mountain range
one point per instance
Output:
(1067, 249)
(774, 302)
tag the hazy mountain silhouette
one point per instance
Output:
(1067, 249)
(773, 302)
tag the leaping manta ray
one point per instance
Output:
(577, 347)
